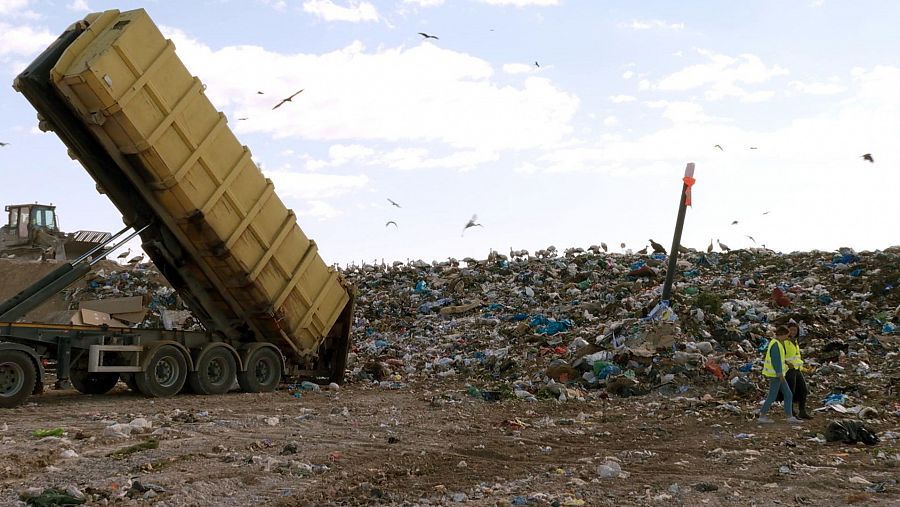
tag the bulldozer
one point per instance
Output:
(32, 232)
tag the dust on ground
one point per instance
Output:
(434, 445)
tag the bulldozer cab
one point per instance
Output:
(26, 219)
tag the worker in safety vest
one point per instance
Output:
(794, 376)
(774, 369)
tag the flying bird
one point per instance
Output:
(734, 222)
(723, 246)
(753, 147)
(536, 64)
(242, 119)
(868, 156)
(709, 249)
(657, 248)
(622, 245)
(286, 100)
(391, 222)
(471, 223)
(259, 93)
(604, 247)
(124, 254)
(719, 146)
(642, 251)
(766, 212)
(751, 239)
(394, 203)
(423, 34)
(3, 144)
(136, 260)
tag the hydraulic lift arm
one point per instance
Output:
(37, 293)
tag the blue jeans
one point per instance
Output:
(776, 384)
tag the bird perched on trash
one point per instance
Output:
(719, 146)
(868, 156)
(723, 246)
(283, 101)
(657, 248)
(389, 222)
(394, 203)
(642, 251)
(425, 35)
(124, 254)
(683, 249)
(604, 247)
(471, 223)
(136, 260)
(709, 249)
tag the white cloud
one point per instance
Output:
(319, 209)
(408, 159)
(818, 3)
(722, 75)
(78, 6)
(11, 6)
(422, 93)
(519, 68)
(22, 40)
(521, 3)
(621, 99)
(17, 9)
(644, 84)
(610, 121)
(425, 3)
(355, 12)
(278, 5)
(681, 112)
(814, 88)
(341, 154)
(628, 74)
(654, 23)
(292, 184)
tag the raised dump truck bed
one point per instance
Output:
(113, 89)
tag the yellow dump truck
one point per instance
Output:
(115, 92)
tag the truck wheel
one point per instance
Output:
(93, 383)
(17, 378)
(263, 372)
(215, 372)
(165, 373)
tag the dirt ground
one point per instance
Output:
(412, 445)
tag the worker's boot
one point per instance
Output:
(803, 413)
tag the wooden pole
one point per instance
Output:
(676, 240)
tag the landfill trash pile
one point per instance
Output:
(585, 324)
(154, 304)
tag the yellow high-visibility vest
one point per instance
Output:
(768, 368)
(792, 354)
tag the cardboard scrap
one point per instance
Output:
(116, 312)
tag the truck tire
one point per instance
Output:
(164, 374)
(215, 373)
(263, 373)
(17, 378)
(93, 383)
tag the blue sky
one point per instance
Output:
(588, 147)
